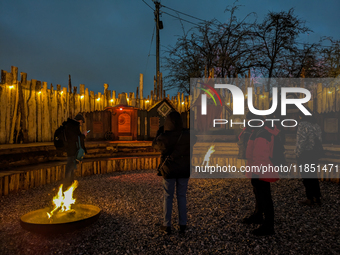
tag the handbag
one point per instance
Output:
(80, 152)
(166, 159)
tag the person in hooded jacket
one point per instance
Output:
(260, 152)
(72, 133)
(174, 144)
(308, 147)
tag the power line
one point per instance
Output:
(147, 61)
(148, 5)
(184, 13)
(180, 18)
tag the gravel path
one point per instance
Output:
(131, 204)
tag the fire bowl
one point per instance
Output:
(81, 216)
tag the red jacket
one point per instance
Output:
(259, 152)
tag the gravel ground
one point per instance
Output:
(131, 204)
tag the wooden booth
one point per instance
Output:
(156, 116)
(123, 122)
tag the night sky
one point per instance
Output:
(101, 42)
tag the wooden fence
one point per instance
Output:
(14, 181)
(32, 109)
(324, 99)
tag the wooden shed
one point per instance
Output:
(156, 116)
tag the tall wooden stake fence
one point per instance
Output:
(31, 109)
(324, 99)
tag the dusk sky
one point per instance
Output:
(99, 42)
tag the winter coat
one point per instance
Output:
(308, 136)
(72, 132)
(174, 141)
(260, 152)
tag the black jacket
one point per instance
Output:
(72, 133)
(178, 165)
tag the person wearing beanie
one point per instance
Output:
(72, 132)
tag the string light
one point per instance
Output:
(81, 97)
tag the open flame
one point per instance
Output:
(207, 155)
(62, 202)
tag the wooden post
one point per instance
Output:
(141, 85)
(38, 124)
(87, 101)
(161, 86)
(106, 101)
(178, 101)
(32, 111)
(81, 98)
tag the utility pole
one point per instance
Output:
(159, 25)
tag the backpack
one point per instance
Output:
(60, 140)
(80, 152)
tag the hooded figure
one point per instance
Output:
(174, 144)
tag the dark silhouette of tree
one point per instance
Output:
(276, 43)
(226, 47)
(331, 58)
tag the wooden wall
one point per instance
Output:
(14, 181)
(31, 110)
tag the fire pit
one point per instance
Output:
(66, 216)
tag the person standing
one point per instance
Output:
(308, 152)
(72, 132)
(174, 145)
(260, 152)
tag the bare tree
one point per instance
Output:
(276, 42)
(225, 47)
(331, 57)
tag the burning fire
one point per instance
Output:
(62, 202)
(208, 154)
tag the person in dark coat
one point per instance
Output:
(72, 133)
(308, 147)
(260, 153)
(174, 144)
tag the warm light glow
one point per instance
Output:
(62, 92)
(147, 101)
(62, 202)
(11, 87)
(98, 99)
(182, 102)
(262, 96)
(81, 97)
(330, 92)
(111, 100)
(208, 155)
(228, 103)
(246, 95)
(39, 92)
(120, 108)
